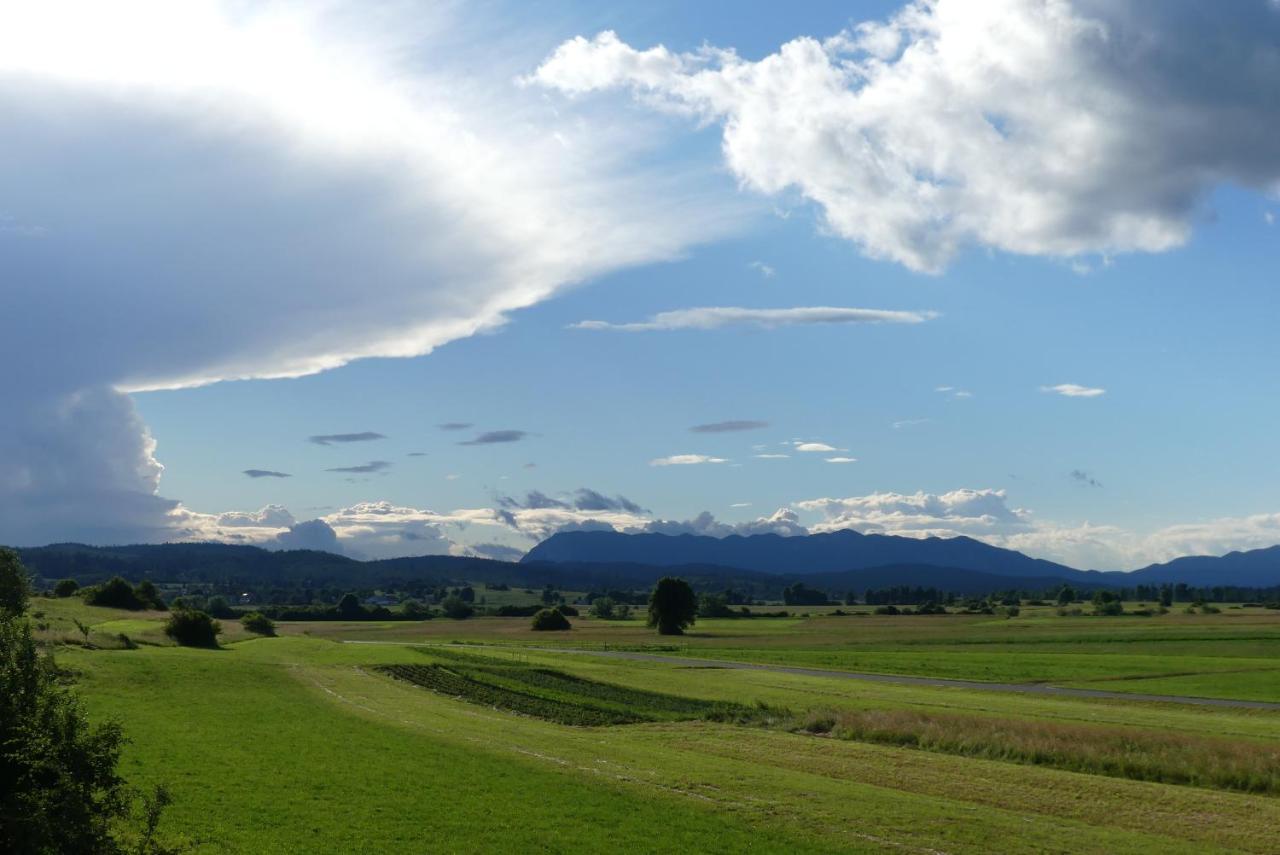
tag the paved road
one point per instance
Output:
(902, 680)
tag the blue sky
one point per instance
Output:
(1134, 258)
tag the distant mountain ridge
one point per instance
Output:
(830, 552)
(1255, 568)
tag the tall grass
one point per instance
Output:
(1120, 752)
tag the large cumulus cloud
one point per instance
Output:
(211, 191)
(1041, 127)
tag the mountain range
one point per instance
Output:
(760, 565)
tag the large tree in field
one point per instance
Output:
(672, 606)
(15, 584)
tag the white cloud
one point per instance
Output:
(269, 191)
(842, 460)
(1269, 217)
(763, 269)
(815, 447)
(686, 460)
(740, 505)
(1073, 390)
(1039, 128)
(716, 317)
(771, 456)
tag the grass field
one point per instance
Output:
(304, 743)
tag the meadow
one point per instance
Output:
(308, 742)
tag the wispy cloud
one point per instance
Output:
(495, 437)
(686, 460)
(771, 456)
(266, 473)
(728, 427)
(740, 505)
(454, 426)
(417, 454)
(953, 392)
(763, 269)
(332, 438)
(717, 317)
(1085, 478)
(364, 468)
(1073, 390)
(905, 423)
(842, 460)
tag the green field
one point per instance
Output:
(305, 743)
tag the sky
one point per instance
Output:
(412, 278)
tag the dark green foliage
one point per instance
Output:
(219, 607)
(887, 610)
(550, 620)
(191, 628)
(349, 607)
(801, 595)
(602, 607)
(115, 593)
(59, 788)
(15, 583)
(66, 588)
(148, 594)
(259, 623)
(414, 610)
(457, 608)
(714, 606)
(550, 694)
(672, 606)
(517, 611)
(1066, 595)
(567, 610)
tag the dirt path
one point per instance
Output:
(938, 682)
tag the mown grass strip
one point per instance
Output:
(1120, 752)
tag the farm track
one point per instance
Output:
(937, 682)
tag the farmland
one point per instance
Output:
(304, 742)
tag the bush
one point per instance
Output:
(887, 610)
(517, 611)
(193, 629)
(59, 785)
(219, 607)
(567, 610)
(115, 593)
(414, 610)
(602, 608)
(66, 588)
(259, 623)
(550, 620)
(149, 596)
(457, 608)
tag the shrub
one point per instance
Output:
(414, 610)
(259, 623)
(190, 628)
(672, 606)
(149, 596)
(70, 790)
(455, 607)
(219, 607)
(66, 588)
(550, 620)
(115, 593)
(567, 610)
(15, 584)
(602, 607)
(887, 610)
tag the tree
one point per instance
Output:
(147, 593)
(219, 607)
(455, 607)
(115, 593)
(190, 628)
(602, 608)
(15, 583)
(415, 610)
(713, 606)
(59, 785)
(259, 623)
(349, 607)
(1066, 594)
(550, 620)
(1166, 595)
(66, 588)
(672, 606)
